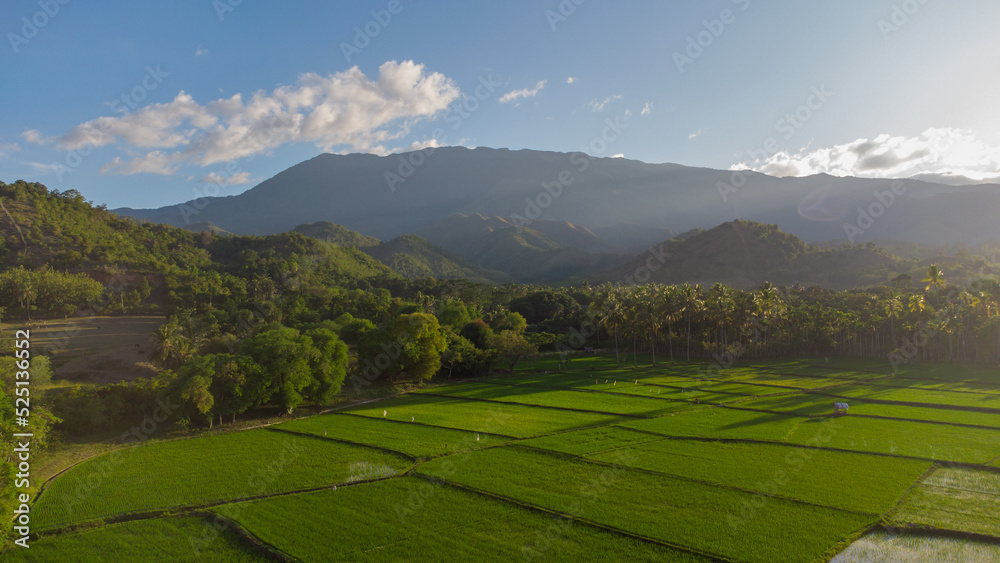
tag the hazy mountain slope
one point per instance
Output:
(413, 257)
(526, 254)
(387, 196)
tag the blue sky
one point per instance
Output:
(145, 104)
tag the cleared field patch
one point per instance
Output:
(519, 421)
(97, 349)
(581, 400)
(204, 470)
(416, 440)
(592, 441)
(881, 546)
(409, 519)
(858, 482)
(703, 517)
(941, 442)
(717, 422)
(955, 499)
(162, 539)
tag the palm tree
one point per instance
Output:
(170, 346)
(935, 278)
(666, 308)
(692, 305)
(26, 294)
(893, 306)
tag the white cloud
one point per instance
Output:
(420, 145)
(941, 153)
(33, 136)
(42, 168)
(599, 105)
(695, 134)
(346, 110)
(618, 155)
(7, 148)
(155, 162)
(199, 52)
(646, 109)
(223, 180)
(514, 95)
(570, 80)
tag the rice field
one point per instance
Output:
(162, 539)
(939, 442)
(883, 546)
(850, 481)
(514, 420)
(407, 437)
(606, 463)
(200, 471)
(955, 499)
(402, 518)
(719, 520)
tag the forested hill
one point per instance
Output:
(64, 232)
(742, 254)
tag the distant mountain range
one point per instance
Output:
(626, 203)
(544, 217)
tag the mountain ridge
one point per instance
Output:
(604, 195)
